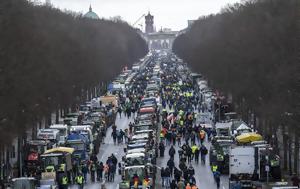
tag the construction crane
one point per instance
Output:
(138, 20)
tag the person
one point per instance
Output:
(173, 184)
(295, 180)
(202, 136)
(180, 184)
(194, 187)
(194, 148)
(191, 170)
(188, 186)
(114, 135)
(161, 149)
(64, 182)
(112, 172)
(167, 177)
(214, 167)
(100, 168)
(79, 181)
(92, 171)
(189, 153)
(172, 152)
(84, 170)
(217, 175)
(171, 165)
(163, 177)
(120, 111)
(203, 151)
(197, 153)
(106, 171)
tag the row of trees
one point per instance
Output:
(49, 59)
(251, 51)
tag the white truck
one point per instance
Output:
(242, 166)
(251, 165)
(63, 132)
(51, 135)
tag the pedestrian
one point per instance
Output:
(172, 152)
(64, 182)
(92, 171)
(171, 165)
(194, 148)
(191, 170)
(112, 172)
(217, 175)
(177, 174)
(189, 153)
(114, 135)
(203, 151)
(188, 186)
(80, 181)
(161, 149)
(197, 153)
(180, 184)
(202, 136)
(100, 168)
(85, 171)
(163, 177)
(173, 184)
(120, 111)
(106, 172)
(167, 177)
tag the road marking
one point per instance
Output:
(223, 187)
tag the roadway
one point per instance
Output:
(106, 150)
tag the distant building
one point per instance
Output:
(149, 23)
(162, 39)
(91, 14)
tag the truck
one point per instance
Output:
(51, 135)
(56, 163)
(134, 175)
(63, 132)
(250, 165)
(24, 183)
(78, 142)
(33, 150)
(86, 131)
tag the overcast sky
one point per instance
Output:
(167, 13)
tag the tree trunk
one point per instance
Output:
(285, 149)
(296, 152)
(290, 153)
(57, 116)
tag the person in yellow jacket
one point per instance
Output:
(194, 148)
(79, 181)
(64, 182)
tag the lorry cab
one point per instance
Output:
(223, 129)
(56, 161)
(33, 150)
(24, 183)
(63, 132)
(86, 131)
(51, 135)
(135, 175)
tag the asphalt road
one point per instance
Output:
(106, 150)
(203, 174)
